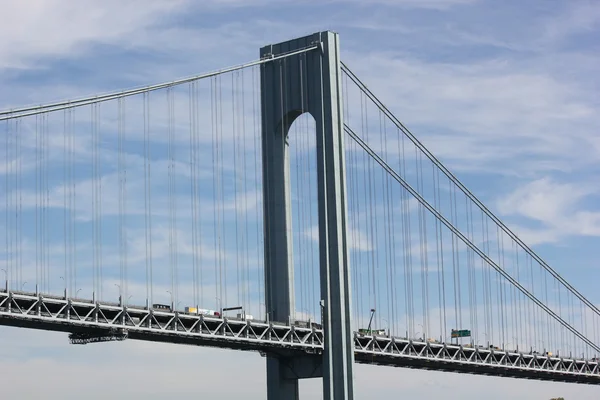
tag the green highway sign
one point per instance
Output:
(460, 333)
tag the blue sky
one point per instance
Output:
(504, 94)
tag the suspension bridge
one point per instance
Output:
(279, 207)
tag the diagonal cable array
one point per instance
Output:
(429, 261)
(464, 239)
(463, 188)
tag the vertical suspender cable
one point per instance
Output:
(547, 327)
(99, 204)
(193, 200)
(6, 198)
(20, 180)
(222, 230)
(470, 283)
(124, 165)
(235, 214)
(38, 279)
(393, 317)
(170, 194)
(199, 240)
(122, 296)
(366, 292)
(9, 199)
(455, 273)
(436, 205)
(65, 205)
(94, 187)
(149, 162)
(370, 222)
(385, 226)
(74, 205)
(388, 235)
(174, 172)
(256, 140)
(246, 233)
(216, 212)
(423, 245)
(406, 231)
(521, 311)
(146, 186)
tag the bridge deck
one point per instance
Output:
(80, 316)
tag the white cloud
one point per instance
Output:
(556, 206)
(41, 28)
(543, 199)
(581, 16)
(521, 116)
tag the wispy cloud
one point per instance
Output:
(558, 206)
(51, 28)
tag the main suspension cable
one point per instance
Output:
(60, 105)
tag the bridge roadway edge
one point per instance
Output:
(299, 348)
(311, 364)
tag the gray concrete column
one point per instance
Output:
(307, 82)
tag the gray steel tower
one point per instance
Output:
(308, 82)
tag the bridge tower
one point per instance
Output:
(308, 82)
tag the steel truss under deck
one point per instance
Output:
(383, 350)
(101, 321)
